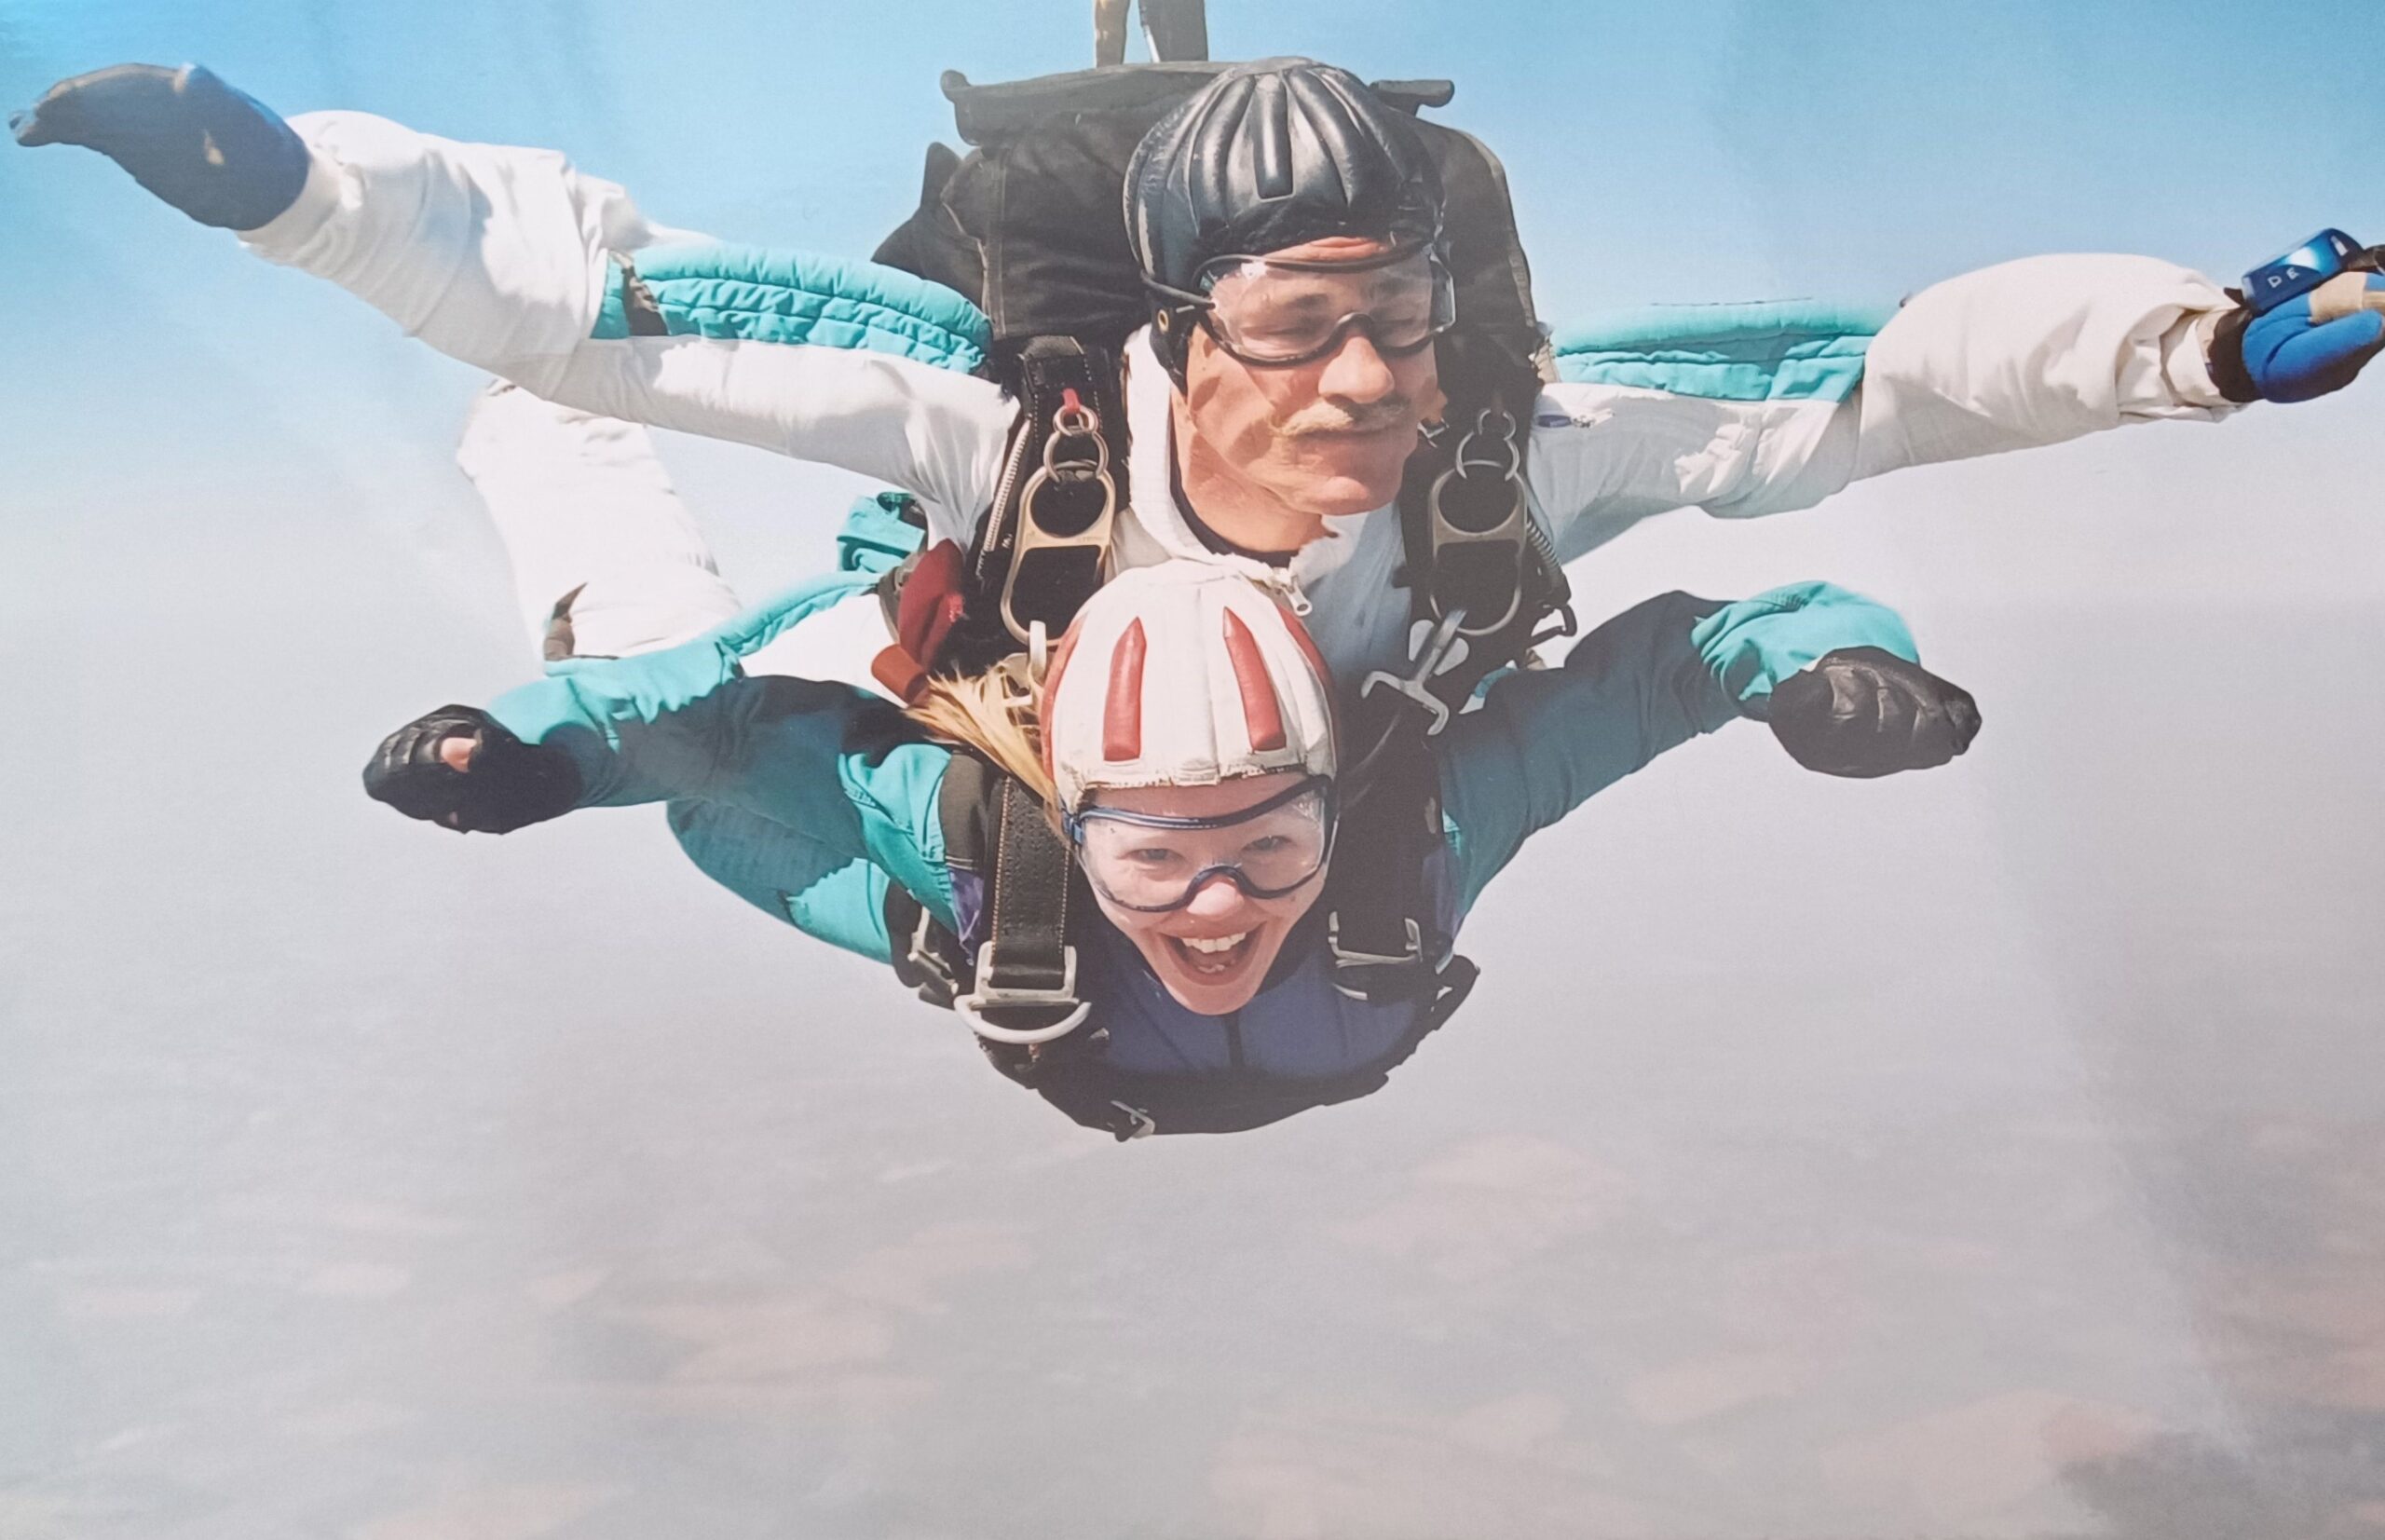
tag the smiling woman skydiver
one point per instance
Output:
(1182, 740)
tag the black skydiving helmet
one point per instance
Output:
(1273, 154)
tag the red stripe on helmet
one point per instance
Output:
(1315, 661)
(1261, 711)
(1046, 722)
(1121, 714)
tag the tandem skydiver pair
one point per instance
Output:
(1325, 345)
(1176, 775)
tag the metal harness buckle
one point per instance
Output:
(993, 997)
(1442, 649)
(1343, 960)
(927, 961)
(1511, 533)
(1073, 420)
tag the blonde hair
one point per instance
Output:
(992, 712)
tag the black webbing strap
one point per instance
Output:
(1379, 927)
(1024, 978)
(1028, 901)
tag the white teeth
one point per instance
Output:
(1214, 944)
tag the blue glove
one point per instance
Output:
(220, 156)
(2310, 345)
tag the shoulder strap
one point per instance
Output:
(1023, 979)
(1019, 989)
(1379, 926)
(1478, 557)
(1483, 579)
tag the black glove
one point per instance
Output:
(219, 155)
(505, 783)
(1864, 712)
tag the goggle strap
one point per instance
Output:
(1075, 822)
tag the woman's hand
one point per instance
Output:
(460, 768)
(1865, 712)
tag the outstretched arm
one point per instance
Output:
(842, 769)
(513, 260)
(1836, 676)
(1755, 409)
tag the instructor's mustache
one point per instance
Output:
(1326, 419)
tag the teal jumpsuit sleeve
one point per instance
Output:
(843, 770)
(1656, 676)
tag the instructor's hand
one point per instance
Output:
(2311, 345)
(458, 766)
(1865, 712)
(221, 158)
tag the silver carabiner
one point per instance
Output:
(1074, 421)
(1513, 531)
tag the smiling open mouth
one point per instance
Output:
(1212, 957)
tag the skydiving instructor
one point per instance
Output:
(1290, 234)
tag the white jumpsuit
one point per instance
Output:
(502, 257)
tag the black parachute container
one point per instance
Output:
(1031, 223)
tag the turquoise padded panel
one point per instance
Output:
(748, 293)
(1793, 350)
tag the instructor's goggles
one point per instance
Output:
(1270, 310)
(1152, 863)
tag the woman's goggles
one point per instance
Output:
(1152, 862)
(1268, 311)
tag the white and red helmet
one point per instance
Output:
(1184, 674)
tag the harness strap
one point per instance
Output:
(1024, 980)
(1478, 559)
(1018, 992)
(1380, 929)
(1481, 580)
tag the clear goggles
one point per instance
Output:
(1153, 863)
(1270, 310)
